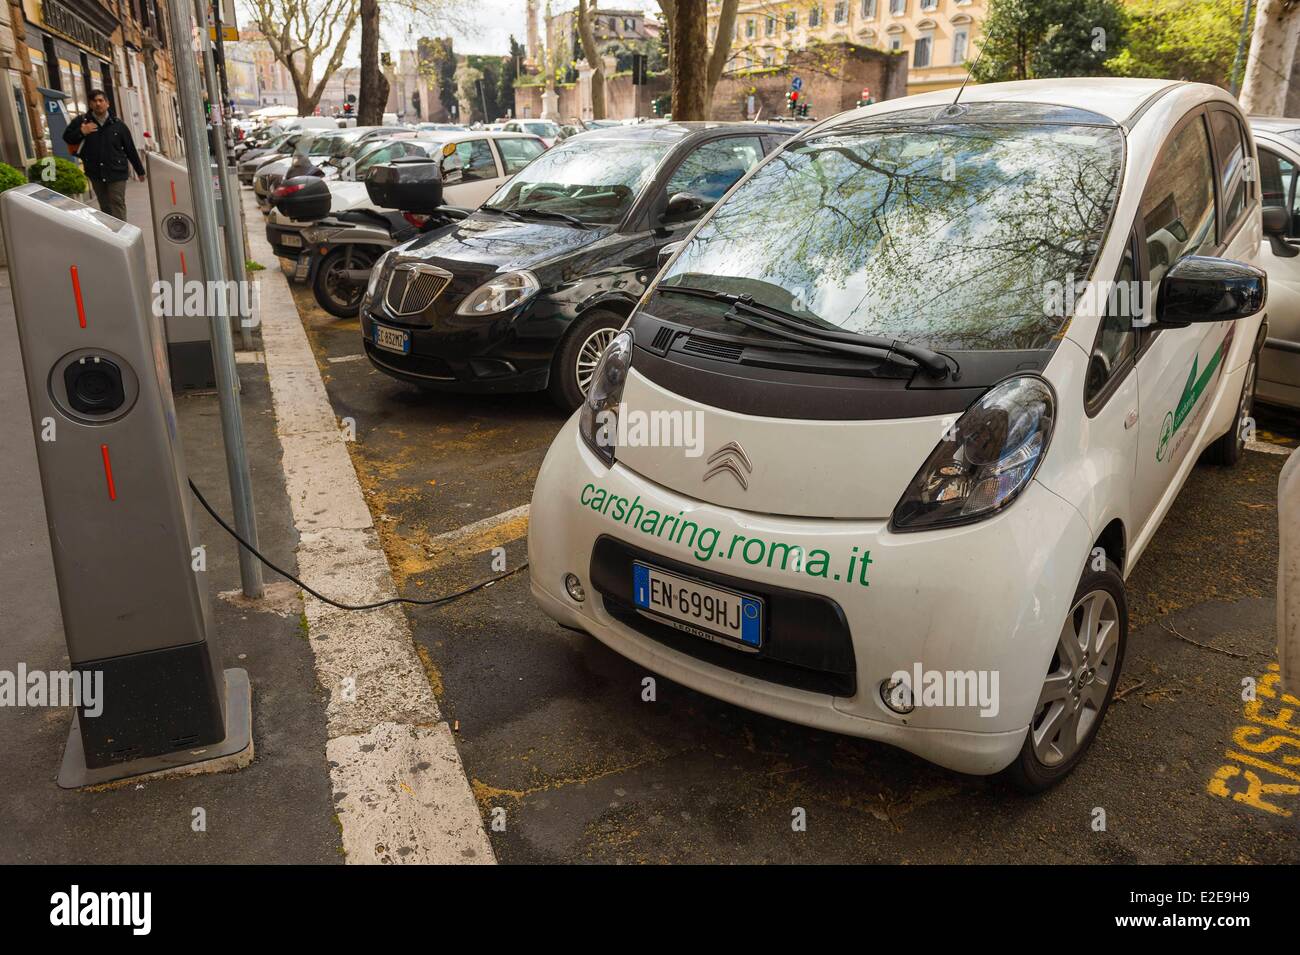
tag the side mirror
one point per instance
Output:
(1201, 289)
(453, 169)
(682, 206)
(666, 252)
(1277, 222)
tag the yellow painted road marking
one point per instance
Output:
(1273, 729)
(472, 540)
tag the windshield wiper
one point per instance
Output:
(508, 213)
(795, 329)
(548, 214)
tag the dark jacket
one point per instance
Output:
(105, 153)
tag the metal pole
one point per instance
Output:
(223, 348)
(229, 191)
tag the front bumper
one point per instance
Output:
(504, 354)
(987, 597)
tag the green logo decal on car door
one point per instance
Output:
(1192, 391)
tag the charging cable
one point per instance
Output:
(433, 602)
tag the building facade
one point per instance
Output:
(613, 29)
(60, 50)
(263, 81)
(937, 36)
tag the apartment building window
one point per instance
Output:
(868, 9)
(898, 8)
(791, 21)
(815, 17)
(842, 11)
(921, 52)
(929, 4)
(960, 42)
(769, 28)
(895, 43)
(751, 28)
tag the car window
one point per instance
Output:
(518, 153)
(1231, 147)
(713, 168)
(476, 157)
(1277, 177)
(1116, 340)
(595, 180)
(945, 234)
(1178, 204)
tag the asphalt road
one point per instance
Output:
(552, 729)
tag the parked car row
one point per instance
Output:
(951, 361)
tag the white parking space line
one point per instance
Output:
(400, 791)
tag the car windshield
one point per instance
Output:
(541, 129)
(595, 180)
(946, 235)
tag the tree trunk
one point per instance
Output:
(373, 95)
(689, 45)
(721, 47)
(588, 36)
(1272, 54)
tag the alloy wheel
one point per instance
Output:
(589, 356)
(1074, 692)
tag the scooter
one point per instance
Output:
(342, 248)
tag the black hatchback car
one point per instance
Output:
(525, 294)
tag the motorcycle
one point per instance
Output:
(343, 247)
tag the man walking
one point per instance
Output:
(104, 146)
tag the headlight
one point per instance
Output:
(501, 293)
(321, 234)
(984, 461)
(376, 273)
(598, 423)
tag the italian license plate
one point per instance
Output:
(702, 609)
(290, 240)
(393, 339)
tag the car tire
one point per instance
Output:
(330, 294)
(1077, 691)
(1229, 448)
(580, 349)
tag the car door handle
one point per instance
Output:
(1130, 419)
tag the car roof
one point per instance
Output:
(1116, 98)
(676, 131)
(1274, 124)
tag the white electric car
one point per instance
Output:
(877, 449)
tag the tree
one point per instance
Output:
(467, 78)
(588, 37)
(1193, 40)
(1272, 54)
(374, 84)
(712, 61)
(437, 60)
(688, 57)
(301, 32)
(510, 73)
(1033, 39)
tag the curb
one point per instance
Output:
(400, 790)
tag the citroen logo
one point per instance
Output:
(730, 459)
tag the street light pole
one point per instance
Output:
(193, 130)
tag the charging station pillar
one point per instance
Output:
(116, 496)
(180, 262)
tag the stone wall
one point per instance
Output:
(833, 74)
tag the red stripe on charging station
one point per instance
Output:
(173, 192)
(183, 269)
(108, 473)
(76, 292)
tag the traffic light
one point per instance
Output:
(792, 101)
(639, 70)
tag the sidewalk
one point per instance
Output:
(280, 808)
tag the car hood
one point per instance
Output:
(488, 242)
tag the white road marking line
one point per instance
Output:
(400, 790)
(342, 358)
(451, 538)
(1266, 447)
